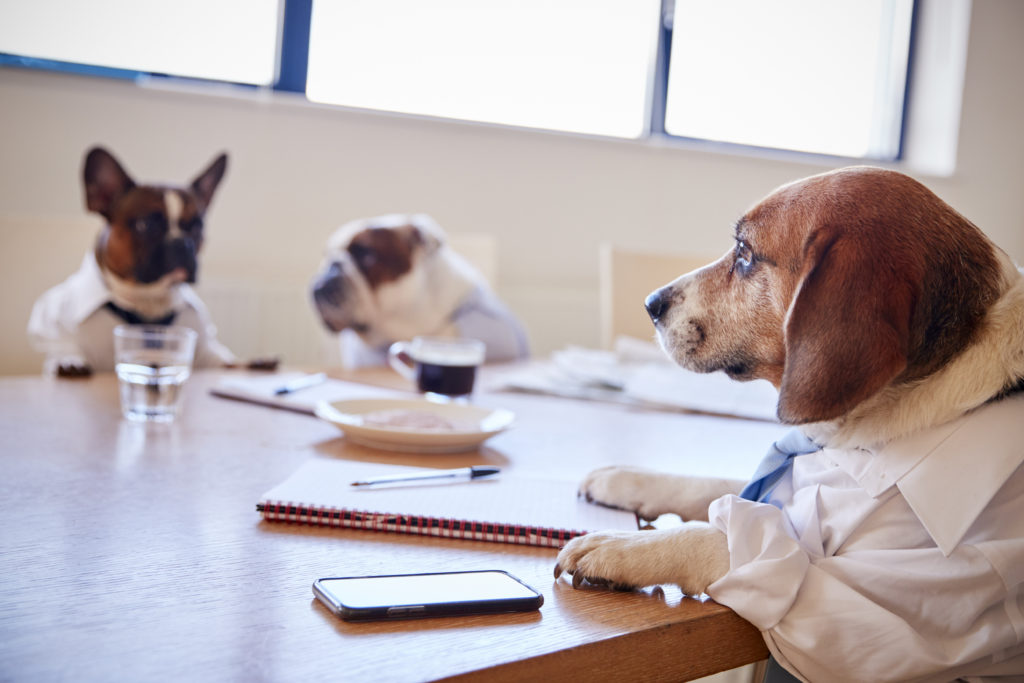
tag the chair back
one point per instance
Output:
(626, 277)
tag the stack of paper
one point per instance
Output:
(639, 373)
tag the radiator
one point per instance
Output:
(257, 320)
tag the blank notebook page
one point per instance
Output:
(504, 499)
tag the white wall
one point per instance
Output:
(298, 170)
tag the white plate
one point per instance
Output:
(405, 425)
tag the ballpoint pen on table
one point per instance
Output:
(300, 383)
(474, 472)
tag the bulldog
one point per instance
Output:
(393, 277)
(139, 271)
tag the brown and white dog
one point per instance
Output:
(881, 315)
(394, 277)
(139, 271)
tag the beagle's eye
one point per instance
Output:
(744, 257)
(141, 225)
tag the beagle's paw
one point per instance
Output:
(692, 556)
(645, 492)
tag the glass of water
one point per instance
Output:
(153, 362)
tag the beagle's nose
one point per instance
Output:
(657, 304)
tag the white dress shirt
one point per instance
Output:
(70, 323)
(480, 315)
(483, 316)
(902, 564)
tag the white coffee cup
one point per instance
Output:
(440, 366)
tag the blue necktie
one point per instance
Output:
(776, 463)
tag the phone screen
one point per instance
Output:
(411, 595)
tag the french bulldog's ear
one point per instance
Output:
(207, 181)
(105, 181)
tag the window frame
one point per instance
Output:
(660, 99)
(292, 46)
(293, 59)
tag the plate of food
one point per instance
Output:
(415, 425)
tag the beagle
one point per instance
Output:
(887, 321)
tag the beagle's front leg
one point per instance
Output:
(651, 494)
(692, 556)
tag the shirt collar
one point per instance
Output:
(90, 292)
(948, 474)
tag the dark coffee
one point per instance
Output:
(439, 366)
(450, 380)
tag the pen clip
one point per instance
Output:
(300, 383)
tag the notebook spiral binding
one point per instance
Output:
(425, 526)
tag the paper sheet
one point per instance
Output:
(260, 389)
(507, 500)
(638, 373)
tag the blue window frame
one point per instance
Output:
(678, 63)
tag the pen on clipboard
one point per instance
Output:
(303, 382)
(474, 472)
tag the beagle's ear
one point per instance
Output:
(848, 327)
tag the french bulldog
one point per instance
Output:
(139, 272)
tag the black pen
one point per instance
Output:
(474, 472)
(300, 383)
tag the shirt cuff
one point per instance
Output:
(766, 565)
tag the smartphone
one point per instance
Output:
(407, 596)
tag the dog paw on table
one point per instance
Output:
(651, 494)
(70, 369)
(692, 557)
(265, 363)
(628, 488)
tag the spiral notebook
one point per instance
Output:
(502, 509)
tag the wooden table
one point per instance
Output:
(134, 552)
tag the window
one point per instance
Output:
(811, 75)
(821, 76)
(225, 40)
(571, 65)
